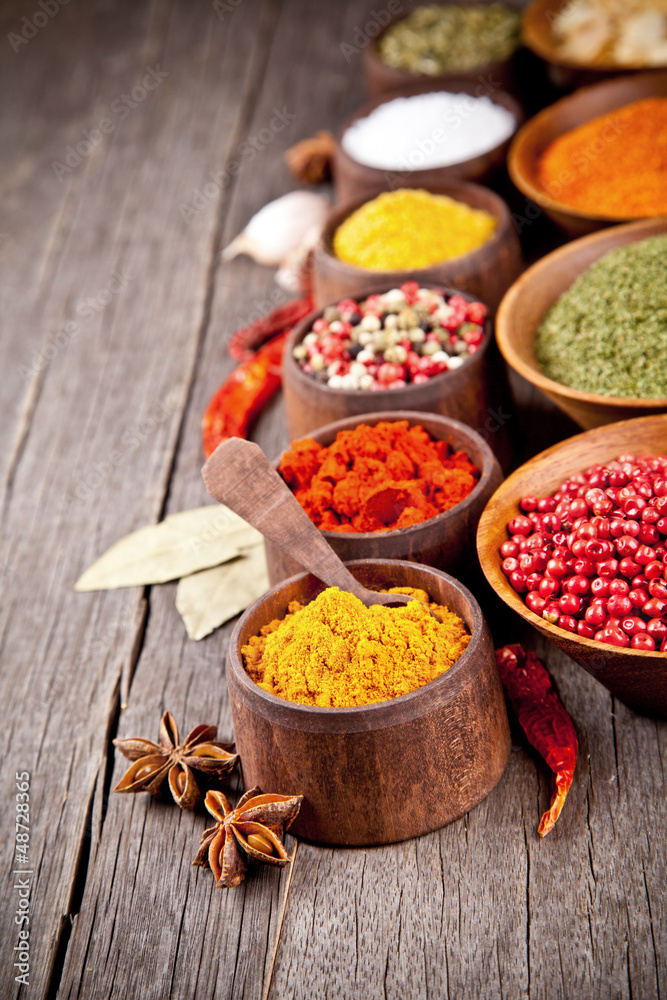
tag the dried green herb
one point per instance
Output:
(448, 37)
(607, 334)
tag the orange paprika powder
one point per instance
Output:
(377, 478)
(614, 165)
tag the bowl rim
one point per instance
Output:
(534, 12)
(544, 266)
(452, 85)
(358, 718)
(526, 131)
(339, 213)
(491, 563)
(419, 416)
(300, 330)
(372, 55)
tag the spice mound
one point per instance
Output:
(614, 165)
(377, 478)
(410, 228)
(590, 558)
(337, 653)
(621, 32)
(436, 129)
(405, 336)
(441, 38)
(607, 334)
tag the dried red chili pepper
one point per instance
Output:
(250, 337)
(543, 719)
(243, 395)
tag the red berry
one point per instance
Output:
(595, 614)
(535, 602)
(568, 623)
(633, 625)
(626, 545)
(656, 607)
(601, 587)
(585, 630)
(657, 629)
(642, 640)
(638, 597)
(520, 525)
(619, 605)
(658, 588)
(608, 567)
(549, 587)
(518, 581)
(508, 549)
(528, 503)
(618, 587)
(628, 567)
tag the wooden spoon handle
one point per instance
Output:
(239, 475)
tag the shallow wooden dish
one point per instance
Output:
(637, 678)
(532, 295)
(537, 35)
(381, 78)
(484, 273)
(563, 116)
(446, 541)
(354, 181)
(385, 772)
(465, 394)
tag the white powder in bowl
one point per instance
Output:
(428, 130)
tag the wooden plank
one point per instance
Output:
(96, 448)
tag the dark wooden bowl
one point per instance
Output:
(537, 35)
(466, 394)
(532, 295)
(484, 273)
(637, 678)
(563, 116)
(381, 78)
(384, 772)
(354, 181)
(446, 541)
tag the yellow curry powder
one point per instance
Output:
(410, 228)
(335, 652)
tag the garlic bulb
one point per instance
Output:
(279, 228)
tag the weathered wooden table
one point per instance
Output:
(138, 139)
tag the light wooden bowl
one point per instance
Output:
(446, 541)
(385, 772)
(533, 294)
(466, 394)
(485, 273)
(537, 35)
(354, 181)
(563, 116)
(381, 78)
(637, 678)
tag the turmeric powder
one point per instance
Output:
(335, 652)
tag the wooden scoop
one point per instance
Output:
(239, 475)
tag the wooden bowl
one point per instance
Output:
(381, 78)
(354, 181)
(384, 772)
(637, 678)
(563, 116)
(446, 541)
(537, 35)
(532, 295)
(466, 394)
(484, 273)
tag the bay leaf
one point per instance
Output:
(183, 543)
(207, 599)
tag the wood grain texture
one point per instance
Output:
(481, 908)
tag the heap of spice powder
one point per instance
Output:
(377, 478)
(607, 334)
(614, 165)
(410, 228)
(442, 38)
(337, 653)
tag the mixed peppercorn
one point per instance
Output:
(590, 558)
(404, 336)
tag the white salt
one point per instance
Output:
(428, 130)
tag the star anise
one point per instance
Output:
(251, 830)
(154, 764)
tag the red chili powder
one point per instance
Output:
(377, 478)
